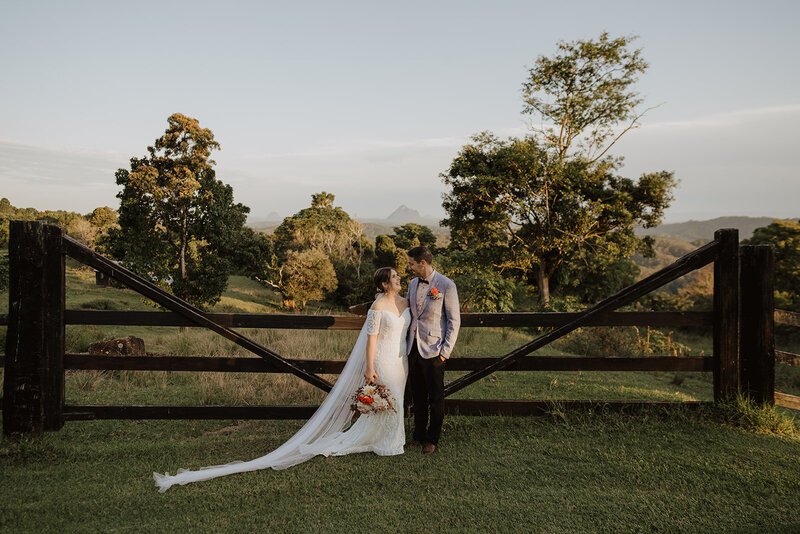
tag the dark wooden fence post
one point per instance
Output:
(726, 315)
(33, 385)
(757, 325)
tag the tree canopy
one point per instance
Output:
(103, 217)
(322, 226)
(583, 93)
(335, 238)
(177, 222)
(534, 204)
(411, 235)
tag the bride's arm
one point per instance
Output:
(369, 373)
(373, 327)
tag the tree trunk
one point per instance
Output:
(543, 283)
(183, 249)
(184, 240)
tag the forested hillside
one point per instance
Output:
(704, 230)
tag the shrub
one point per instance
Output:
(309, 275)
(602, 341)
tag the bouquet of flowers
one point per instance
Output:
(372, 398)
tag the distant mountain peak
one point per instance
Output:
(404, 214)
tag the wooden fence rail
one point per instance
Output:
(787, 401)
(256, 365)
(787, 317)
(452, 406)
(350, 322)
(787, 358)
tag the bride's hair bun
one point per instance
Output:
(382, 276)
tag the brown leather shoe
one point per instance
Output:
(428, 448)
(413, 444)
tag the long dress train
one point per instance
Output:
(382, 432)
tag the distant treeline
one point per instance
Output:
(83, 227)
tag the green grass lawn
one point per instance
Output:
(724, 468)
(656, 471)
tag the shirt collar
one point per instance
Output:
(429, 278)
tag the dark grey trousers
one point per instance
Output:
(427, 391)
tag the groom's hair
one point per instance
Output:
(421, 253)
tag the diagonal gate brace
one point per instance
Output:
(91, 258)
(694, 260)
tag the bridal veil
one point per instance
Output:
(331, 419)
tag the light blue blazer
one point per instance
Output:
(436, 328)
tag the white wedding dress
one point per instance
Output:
(380, 432)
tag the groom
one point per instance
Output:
(435, 320)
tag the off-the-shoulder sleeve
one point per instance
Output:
(373, 322)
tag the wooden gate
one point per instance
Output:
(35, 359)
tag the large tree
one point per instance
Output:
(533, 204)
(335, 238)
(325, 227)
(177, 222)
(518, 211)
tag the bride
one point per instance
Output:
(378, 356)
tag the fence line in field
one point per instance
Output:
(742, 359)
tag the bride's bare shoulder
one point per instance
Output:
(378, 304)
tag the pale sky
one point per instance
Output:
(372, 100)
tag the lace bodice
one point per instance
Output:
(391, 330)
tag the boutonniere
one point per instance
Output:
(434, 294)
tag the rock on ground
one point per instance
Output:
(121, 346)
